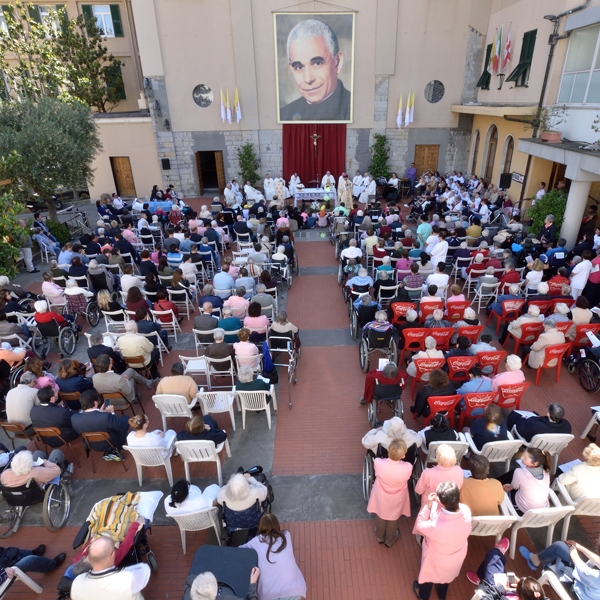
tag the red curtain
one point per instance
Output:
(299, 151)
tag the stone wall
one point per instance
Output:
(473, 64)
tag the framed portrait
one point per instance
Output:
(314, 66)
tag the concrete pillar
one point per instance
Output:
(576, 203)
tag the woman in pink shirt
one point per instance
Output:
(403, 264)
(239, 304)
(445, 470)
(512, 375)
(255, 320)
(129, 234)
(530, 483)
(245, 348)
(389, 498)
(43, 379)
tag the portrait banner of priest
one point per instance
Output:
(314, 66)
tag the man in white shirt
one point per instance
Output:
(129, 280)
(294, 182)
(252, 193)
(439, 279)
(117, 202)
(541, 192)
(328, 179)
(105, 580)
(352, 251)
(229, 193)
(20, 400)
(580, 274)
(357, 185)
(370, 190)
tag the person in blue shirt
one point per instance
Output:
(512, 295)
(491, 427)
(476, 384)
(204, 247)
(362, 279)
(174, 257)
(186, 245)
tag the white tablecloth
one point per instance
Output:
(312, 194)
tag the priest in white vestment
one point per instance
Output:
(294, 182)
(370, 190)
(252, 193)
(269, 187)
(229, 194)
(328, 180)
(281, 191)
(357, 185)
(345, 191)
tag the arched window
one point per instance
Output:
(509, 148)
(475, 152)
(491, 152)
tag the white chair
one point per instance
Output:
(171, 325)
(198, 521)
(550, 578)
(595, 419)
(554, 443)
(199, 335)
(19, 575)
(537, 517)
(485, 293)
(585, 506)
(173, 405)
(500, 451)
(195, 451)
(460, 448)
(161, 345)
(213, 372)
(217, 402)
(255, 401)
(493, 525)
(182, 301)
(194, 366)
(152, 456)
(20, 341)
(254, 362)
(82, 281)
(117, 325)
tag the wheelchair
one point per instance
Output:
(361, 316)
(391, 395)
(375, 341)
(79, 305)
(589, 369)
(368, 474)
(65, 338)
(14, 501)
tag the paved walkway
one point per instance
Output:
(314, 458)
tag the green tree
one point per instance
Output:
(46, 145)
(58, 58)
(249, 164)
(380, 157)
(11, 233)
(554, 203)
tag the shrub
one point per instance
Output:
(554, 203)
(249, 164)
(380, 157)
(60, 231)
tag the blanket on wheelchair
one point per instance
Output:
(112, 516)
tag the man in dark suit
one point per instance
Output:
(124, 247)
(50, 414)
(206, 322)
(96, 417)
(220, 350)
(553, 422)
(241, 227)
(97, 348)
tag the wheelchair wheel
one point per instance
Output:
(354, 325)
(337, 248)
(589, 375)
(393, 350)
(296, 265)
(363, 353)
(367, 476)
(40, 344)
(67, 341)
(372, 413)
(15, 375)
(340, 274)
(152, 563)
(416, 474)
(92, 314)
(398, 409)
(57, 504)
(10, 518)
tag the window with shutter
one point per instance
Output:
(520, 74)
(486, 76)
(115, 12)
(114, 80)
(104, 21)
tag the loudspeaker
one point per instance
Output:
(505, 180)
(166, 164)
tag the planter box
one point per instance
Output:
(552, 137)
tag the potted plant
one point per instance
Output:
(545, 119)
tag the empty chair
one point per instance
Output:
(255, 401)
(173, 405)
(217, 402)
(195, 451)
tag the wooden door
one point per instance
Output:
(121, 168)
(220, 170)
(200, 179)
(426, 157)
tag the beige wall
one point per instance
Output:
(126, 137)
(221, 51)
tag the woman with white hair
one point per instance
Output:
(205, 213)
(280, 257)
(429, 352)
(549, 337)
(560, 314)
(469, 320)
(446, 469)
(206, 587)
(26, 465)
(247, 382)
(514, 327)
(512, 375)
(241, 492)
(583, 479)
(392, 429)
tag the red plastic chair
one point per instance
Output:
(442, 336)
(544, 305)
(529, 334)
(568, 301)
(491, 359)
(414, 341)
(581, 339)
(510, 311)
(552, 354)
(564, 326)
(459, 366)
(474, 401)
(425, 365)
(399, 310)
(509, 396)
(471, 331)
(456, 310)
(445, 404)
(428, 309)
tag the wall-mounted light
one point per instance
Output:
(167, 125)
(500, 80)
(147, 84)
(157, 108)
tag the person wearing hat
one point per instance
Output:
(186, 498)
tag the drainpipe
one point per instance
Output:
(552, 41)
